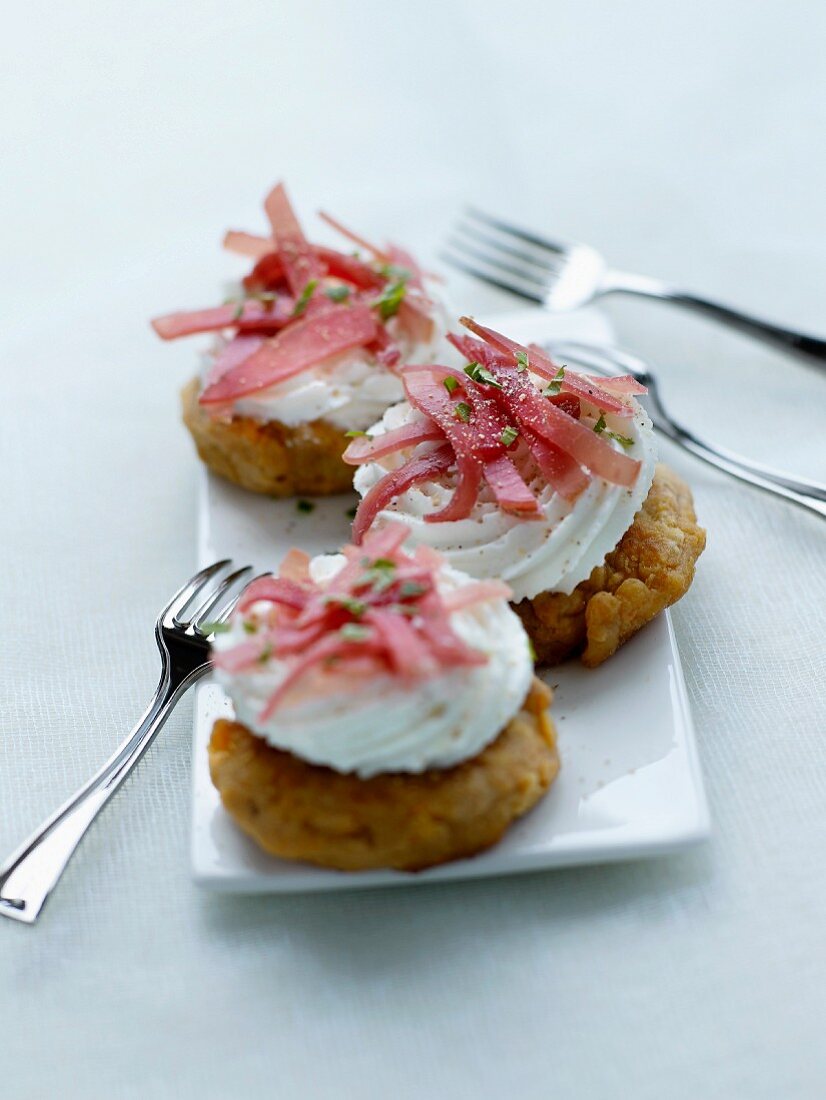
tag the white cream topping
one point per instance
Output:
(350, 390)
(550, 555)
(383, 726)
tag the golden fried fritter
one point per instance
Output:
(650, 569)
(301, 811)
(269, 457)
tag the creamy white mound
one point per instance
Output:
(550, 555)
(351, 390)
(380, 725)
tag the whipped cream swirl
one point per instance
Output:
(553, 554)
(351, 390)
(380, 725)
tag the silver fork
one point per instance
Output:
(613, 361)
(33, 870)
(562, 275)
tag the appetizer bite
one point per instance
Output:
(521, 469)
(386, 710)
(308, 350)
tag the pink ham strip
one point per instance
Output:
(252, 315)
(279, 590)
(364, 449)
(392, 485)
(235, 352)
(541, 364)
(408, 653)
(557, 428)
(300, 261)
(244, 656)
(303, 344)
(329, 645)
(622, 383)
(478, 442)
(511, 492)
(477, 592)
(247, 244)
(295, 566)
(379, 253)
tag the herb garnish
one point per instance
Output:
(304, 298)
(600, 425)
(623, 440)
(250, 627)
(508, 436)
(239, 311)
(395, 271)
(410, 589)
(349, 603)
(356, 433)
(305, 506)
(265, 654)
(214, 628)
(354, 632)
(462, 411)
(337, 293)
(390, 299)
(521, 361)
(450, 383)
(481, 374)
(555, 385)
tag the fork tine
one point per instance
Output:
(184, 594)
(230, 607)
(204, 613)
(492, 279)
(548, 263)
(517, 231)
(537, 279)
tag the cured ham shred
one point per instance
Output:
(381, 614)
(307, 302)
(490, 425)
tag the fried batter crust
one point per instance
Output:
(269, 457)
(301, 811)
(650, 569)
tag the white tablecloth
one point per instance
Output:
(687, 140)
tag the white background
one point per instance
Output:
(687, 140)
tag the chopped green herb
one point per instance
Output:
(409, 589)
(265, 654)
(239, 311)
(390, 299)
(481, 374)
(305, 506)
(250, 627)
(623, 440)
(349, 603)
(379, 574)
(304, 298)
(354, 632)
(355, 433)
(450, 383)
(462, 411)
(337, 293)
(531, 650)
(394, 271)
(600, 425)
(508, 436)
(555, 385)
(521, 361)
(214, 628)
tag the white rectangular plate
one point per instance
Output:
(630, 782)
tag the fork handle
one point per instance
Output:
(33, 870)
(786, 339)
(809, 495)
